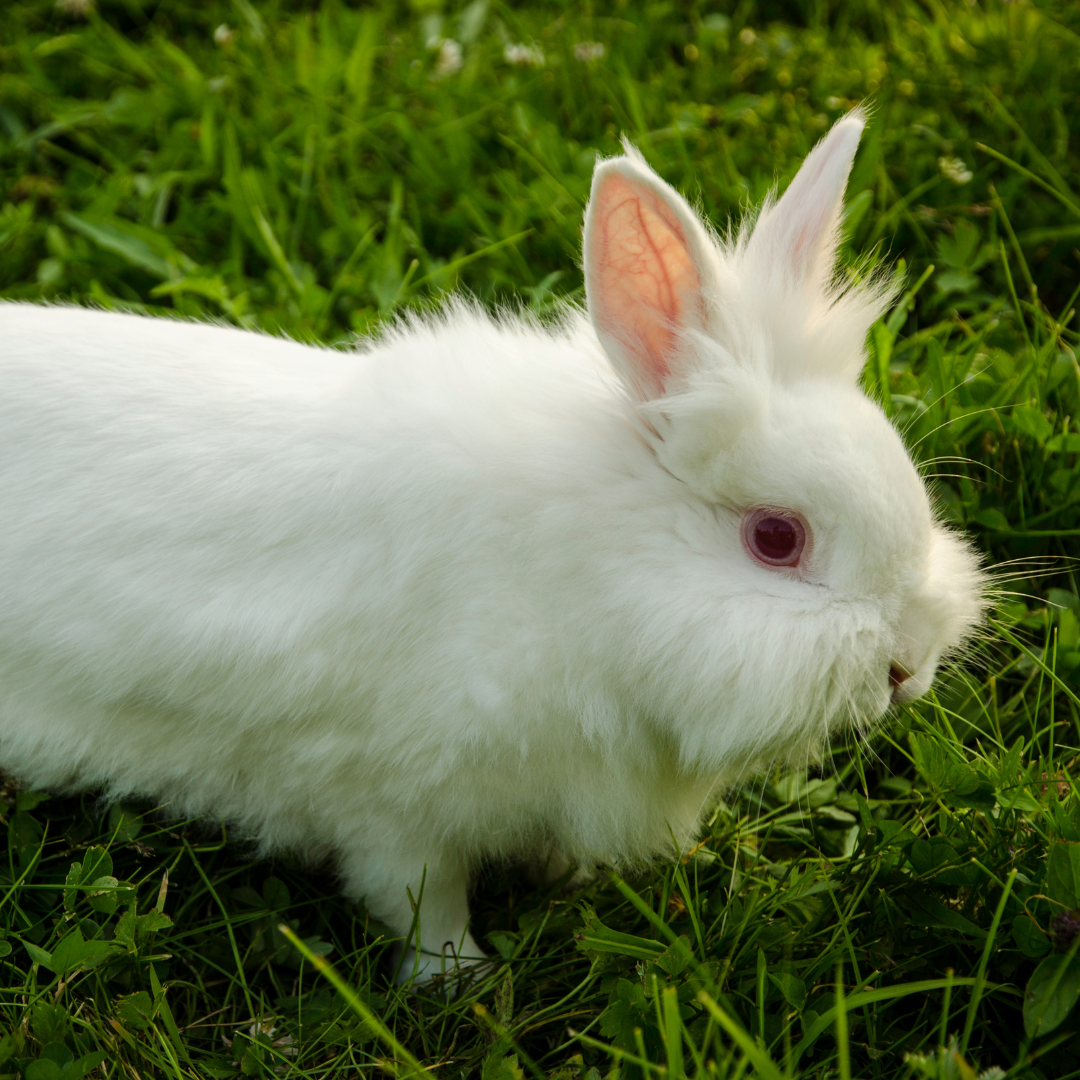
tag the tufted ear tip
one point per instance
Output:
(799, 232)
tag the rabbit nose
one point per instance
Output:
(897, 676)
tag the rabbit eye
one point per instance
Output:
(775, 537)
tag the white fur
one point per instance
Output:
(455, 595)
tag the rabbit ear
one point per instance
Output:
(798, 234)
(646, 260)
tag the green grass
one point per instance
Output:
(307, 169)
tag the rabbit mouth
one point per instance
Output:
(905, 685)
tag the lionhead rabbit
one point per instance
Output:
(479, 589)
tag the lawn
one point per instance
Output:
(910, 908)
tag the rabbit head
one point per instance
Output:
(741, 359)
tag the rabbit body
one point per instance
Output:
(360, 604)
(479, 589)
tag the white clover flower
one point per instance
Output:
(75, 9)
(224, 34)
(528, 55)
(955, 169)
(588, 51)
(450, 58)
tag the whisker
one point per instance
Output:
(952, 476)
(928, 406)
(961, 416)
(956, 459)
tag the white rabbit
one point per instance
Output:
(479, 589)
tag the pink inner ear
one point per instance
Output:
(646, 281)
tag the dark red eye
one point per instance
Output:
(774, 537)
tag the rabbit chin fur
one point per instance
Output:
(477, 589)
